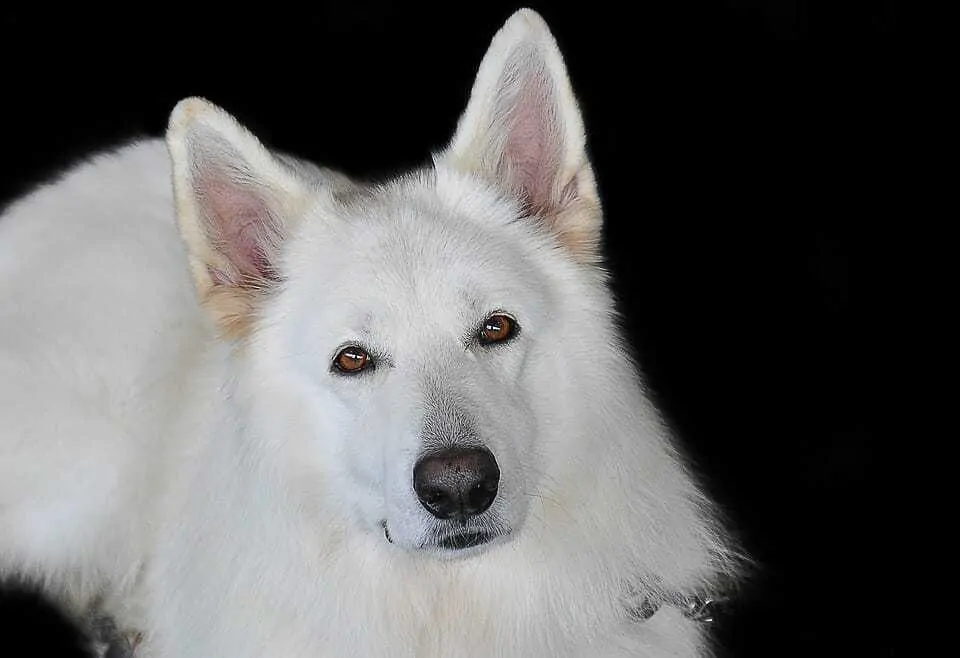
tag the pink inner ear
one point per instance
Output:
(238, 222)
(533, 145)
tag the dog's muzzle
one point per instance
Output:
(457, 485)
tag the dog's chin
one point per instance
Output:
(453, 544)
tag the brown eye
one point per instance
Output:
(352, 359)
(497, 329)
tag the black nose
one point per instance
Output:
(456, 482)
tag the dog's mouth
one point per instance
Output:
(461, 540)
(455, 541)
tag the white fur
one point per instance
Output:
(223, 490)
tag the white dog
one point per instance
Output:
(333, 419)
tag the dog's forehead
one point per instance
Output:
(404, 233)
(413, 255)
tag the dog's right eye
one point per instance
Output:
(352, 359)
(498, 328)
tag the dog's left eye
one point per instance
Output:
(498, 328)
(352, 359)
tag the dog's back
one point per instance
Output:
(97, 327)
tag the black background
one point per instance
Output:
(748, 153)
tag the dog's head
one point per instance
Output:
(416, 324)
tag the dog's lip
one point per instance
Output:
(467, 539)
(456, 541)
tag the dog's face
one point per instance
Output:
(416, 314)
(417, 320)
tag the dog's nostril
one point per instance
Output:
(456, 482)
(433, 496)
(480, 496)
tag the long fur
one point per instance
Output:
(175, 449)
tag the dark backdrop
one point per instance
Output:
(747, 154)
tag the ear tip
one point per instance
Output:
(189, 110)
(526, 26)
(527, 20)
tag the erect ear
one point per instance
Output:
(522, 131)
(234, 204)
